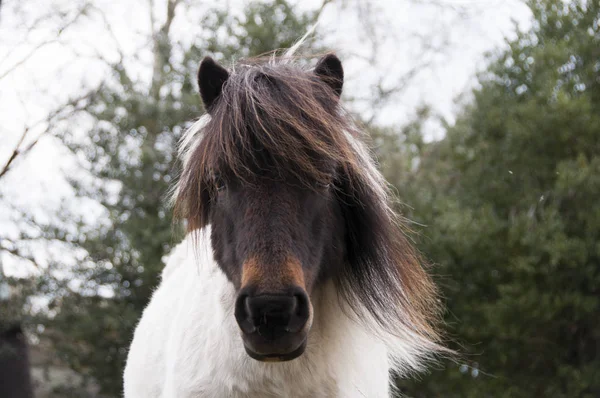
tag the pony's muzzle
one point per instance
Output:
(274, 326)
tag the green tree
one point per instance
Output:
(510, 201)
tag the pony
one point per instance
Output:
(296, 277)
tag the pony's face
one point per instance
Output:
(294, 200)
(276, 226)
(275, 241)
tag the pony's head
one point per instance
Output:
(293, 199)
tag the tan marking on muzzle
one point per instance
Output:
(273, 277)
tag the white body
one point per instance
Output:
(188, 344)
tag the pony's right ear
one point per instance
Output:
(211, 78)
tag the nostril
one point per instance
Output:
(247, 308)
(294, 312)
(243, 313)
(300, 314)
(302, 305)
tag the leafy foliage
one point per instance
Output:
(510, 201)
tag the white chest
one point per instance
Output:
(187, 345)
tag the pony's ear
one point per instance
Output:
(211, 77)
(329, 69)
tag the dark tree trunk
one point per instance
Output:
(15, 379)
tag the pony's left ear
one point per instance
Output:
(329, 69)
(211, 78)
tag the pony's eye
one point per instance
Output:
(220, 185)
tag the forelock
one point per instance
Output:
(279, 114)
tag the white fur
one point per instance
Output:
(188, 344)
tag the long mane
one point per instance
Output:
(284, 114)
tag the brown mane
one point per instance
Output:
(273, 110)
(282, 115)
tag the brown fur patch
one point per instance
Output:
(272, 278)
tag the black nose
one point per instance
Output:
(272, 316)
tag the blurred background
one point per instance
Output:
(484, 114)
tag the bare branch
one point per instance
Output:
(16, 252)
(161, 46)
(44, 43)
(111, 32)
(65, 111)
(26, 57)
(152, 17)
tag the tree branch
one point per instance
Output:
(73, 105)
(161, 46)
(44, 43)
(14, 251)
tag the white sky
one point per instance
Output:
(63, 68)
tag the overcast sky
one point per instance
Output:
(465, 29)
